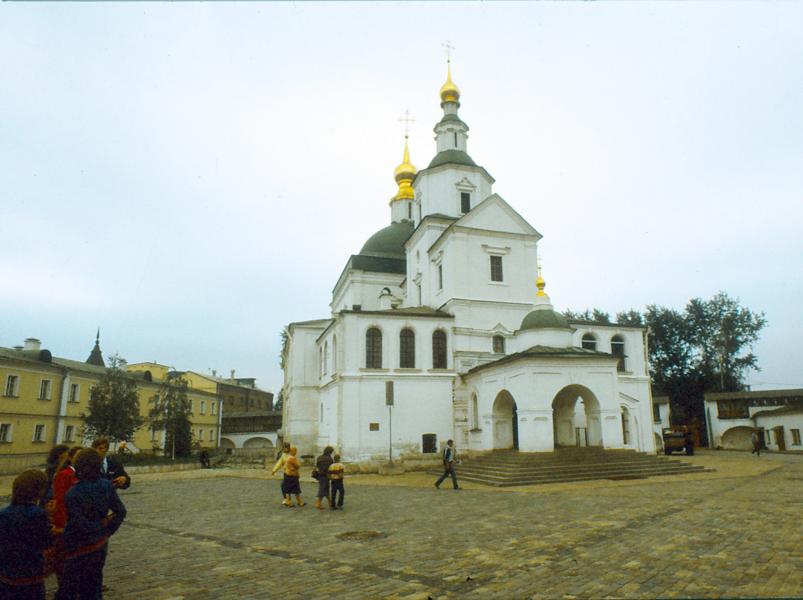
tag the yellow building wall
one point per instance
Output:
(157, 371)
(199, 382)
(24, 410)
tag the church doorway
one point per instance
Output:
(505, 422)
(576, 418)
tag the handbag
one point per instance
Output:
(315, 474)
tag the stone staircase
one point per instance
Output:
(505, 468)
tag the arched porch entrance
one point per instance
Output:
(505, 422)
(576, 417)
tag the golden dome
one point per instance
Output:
(404, 175)
(449, 91)
(540, 283)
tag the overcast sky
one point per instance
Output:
(191, 177)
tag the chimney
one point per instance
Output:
(32, 344)
(232, 374)
(214, 372)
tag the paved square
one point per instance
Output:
(222, 534)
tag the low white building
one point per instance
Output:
(440, 308)
(777, 416)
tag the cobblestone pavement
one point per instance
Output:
(735, 533)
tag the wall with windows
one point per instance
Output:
(625, 342)
(363, 288)
(438, 190)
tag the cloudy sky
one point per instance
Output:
(190, 177)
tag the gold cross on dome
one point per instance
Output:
(449, 47)
(406, 119)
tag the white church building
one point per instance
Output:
(447, 304)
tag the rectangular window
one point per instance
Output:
(465, 202)
(373, 426)
(69, 431)
(12, 385)
(200, 435)
(154, 435)
(44, 390)
(795, 437)
(440, 277)
(656, 413)
(39, 433)
(74, 392)
(211, 435)
(203, 407)
(5, 432)
(496, 268)
(212, 407)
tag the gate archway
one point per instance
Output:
(504, 416)
(576, 417)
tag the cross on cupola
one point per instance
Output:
(406, 119)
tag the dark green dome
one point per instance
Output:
(389, 242)
(544, 319)
(455, 157)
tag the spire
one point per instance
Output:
(449, 91)
(96, 356)
(404, 175)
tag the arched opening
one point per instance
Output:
(226, 443)
(618, 350)
(373, 348)
(505, 422)
(257, 442)
(589, 341)
(576, 417)
(737, 438)
(407, 349)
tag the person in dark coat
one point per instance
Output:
(111, 468)
(94, 513)
(322, 465)
(449, 456)
(24, 535)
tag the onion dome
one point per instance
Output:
(389, 241)
(449, 91)
(543, 316)
(404, 175)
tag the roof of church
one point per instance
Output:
(545, 351)
(544, 319)
(601, 324)
(410, 311)
(378, 264)
(388, 242)
(795, 407)
(451, 157)
(451, 118)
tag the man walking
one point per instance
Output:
(448, 465)
(756, 443)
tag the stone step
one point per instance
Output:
(602, 474)
(508, 468)
(526, 468)
(570, 477)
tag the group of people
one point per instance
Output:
(59, 521)
(328, 472)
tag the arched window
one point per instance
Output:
(373, 348)
(325, 358)
(407, 349)
(334, 354)
(589, 341)
(499, 344)
(475, 412)
(618, 350)
(439, 350)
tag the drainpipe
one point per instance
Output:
(219, 420)
(63, 395)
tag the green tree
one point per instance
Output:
(113, 410)
(630, 318)
(588, 314)
(171, 411)
(284, 334)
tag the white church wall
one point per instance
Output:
(419, 264)
(363, 288)
(439, 190)
(421, 405)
